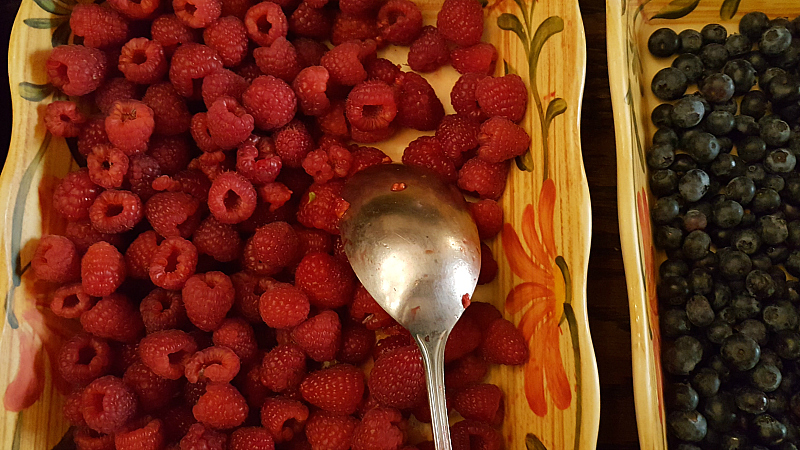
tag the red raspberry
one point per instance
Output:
(464, 372)
(324, 165)
(72, 409)
(172, 32)
(333, 122)
(426, 151)
(197, 13)
(398, 378)
(223, 83)
(343, 63)
(250, 386)
(171, 153)
(201, 133)
(322, 206)
(107, 404)
(228, 37)
(482, 402)
(469, 434)
(487, 180)
(380, 429)
(232, 198)
(371, 106)
(319, 336)
(390, 343)
(283, 306)
(309, 51)
(504, 96)
(115, 211)
(483, 314)
(193, 182)
(229, 123)
(479, 58)
(357, 344)
(83, 234)
(162, 310)
(99, 26)
(502, 139)
(69, 301)
(102, 269)
(87, 439)
(147, 435)
(193, 391)
(63, 119)
(257, 166)
(265, 22)
(457, 134)
(328, 431)
(113, 317)
(83, 358)
(367, 137)
(367, 311)
(488, 216)
(189, 63)
(311, 22)
(236, 334)
(359, 7)
(92, 133)
(129, 125)
(283, 368)
(56, 260)
(248, 289)
(429, 51)
(142, 171)
(216, 364)
(461, 21)
(418, 106)
(284, 418)
(173, 213)
(347, 27)
(136, 9)
(271, 102)
(399, 22)
(208, 297)
(279, 59)
(292, 143)
(337, 389)
(364, 157)
(201, 438)
(463, 98)
(75, 69)
(107, 166)
(275, 194)
(465, 337)
(170, 114)
(218, 240)
(328, 282)
(312, 241)
(173, 263)
(504, 344)
(382, 69)
(236, 8)
(119, 88)
(488, 265)
(142, 61)
(251, 438)
(166, 352)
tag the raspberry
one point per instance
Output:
(171, 32)
(337, 389)
(504, 344)
(367, 311)
(197, 13)
(170, 114)
(429, 51)
(142, 61)
(194, 183)
(83, 235)
(312, 241)
(465, 372)
(487, 180)
(464, 338)
(309, 51)
(173, 213)
(236, 8)
(457, 134)
(238, 335)
(324, 165)
(482, 402)
(249, 384)
(258, 167)
(504, 96)
(208, 297)
(216, 364)
(380, 429)
(398, 378)
(328, 282)
(148, 435)
(115, 211)
(488, 265)
(488, 216)
(364, 157)
(292, 143)
(327, 431)
(218, 240)
(319, 336)
(357, 344)
(83, 358)
(56, 260)
(371, 106)
(107, 166)
(87, 439)
(166, 352)
(275, 194)
(283, 306)
(265, 22)
(483, 314)
(367, 137)
(426, 151)
(333, 122)
(162, 310)
(173, 263)
(311, 22)
(248, 289)
(100, 27)
(201, 438)
(279, 59)
(228, 37)
(69, 301)
(479, 58)
(92, 133)
(228, 123)
(75, 69)
(213, 164)
(102, 269)
(343, 63)
(271, 102)
(142, 171)
(463, 99)
(390, 343)
(201, 133)
(232, 198)
(502, 139)
(171, 153)
(399, 22)
(322, 206)
(284, 418)
(461, 21)
(418, 106)
(192, 62)
(348, 28)
(72, 409)
(193, 391)
(119, 88)
(63, 119)
(283, 368)
(469, 434)
(107, 404)
(251, 438)
(136, 9)
(113, 317)
(223, 83)
(129, 125)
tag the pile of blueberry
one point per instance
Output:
(723, 169)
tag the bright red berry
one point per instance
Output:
(251, 438)
(232, 198)
(192, 62)
(107, 166)
(83, 358)
(398, 378)
(319, 336)
(228, 37)
(197, 13)
(208, 297)
(328, 282)
(468, 434)
(129, 125)
(154, 392)
(462, 96)
(501, 139)
(102, 269)
(344, 63)
(328, 431)
(173, 263)
(310, 86)
(143, 61)
(147, 434)
(271, 101)
(74, 195)
(322, 206)
(337, 389)
(418, 107)
(75, 69)
(107, 404)
(487, 180)
(504, 96)
(399, 22)
(229, 123)
(266, 22)
(69, 301)
(371, 105)
(283, 417)
(478, 58)
(56, 260)
(173, 214)
(63, 119)
(279, 59)
(118, 88)
(380, 429)
(464, 338)
(429, 51)
(215, 364)
(488, 216)
(200, 437)
(99, 26)
(284, 306)
(426, 152)
(236, 334)
(166, 352)
(504, 344)
(461, 21)
(113, 317)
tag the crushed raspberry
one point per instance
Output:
(463, 99)
(389, 344)
(75, 69)
(223, 83)
(72, 408)
(357, 344)
(142, 61)
(200, 437)
(228, 123)
(367, 311)
(147, 435)
(192, 62)
(292, 143)
(136, 9)
(197, 13)
(418, 106)
(162, 310)
(380, 429)
(479, 58)
(118, 88)
(283, 417)
(504, 96)
(115, 211)
(265, 22)
(92, 133)
(216, 364)
(218, 240)
(426, 151)
(83, 358)
(272, 247)
(86, 438)
(398, 378)
(251, 438)
(257, 166)
(310, 86)
(461, 21)
(322, 206)
(283, 367)
(237, 335)
(107, 404)
(324, 165)
(56, 260)
(69, 301)
(279, 59)
(399, 22)
(129, 125)
(228, 37)
(469, 434)
(343, 63)
(166, 352)
(330, 431)
(319, 336)
(102, 269)
(347, 27)
(429, 51)
(171, 153)
(371, 106)
(311, 22)
(172, 32)
(328, 282)
(501, 139)
(488, 216)
(170, 114)
(284, 306)
(208, 297)
(173, 263)
(337, 389)
(63, 119)
(232, 198)
(113, 317)
(248, 289)
(275, 194)
(201, 133)
(271, 102)
(84, 235)
(504, 344)
(487, 180)
(107, 166)
(99, 26)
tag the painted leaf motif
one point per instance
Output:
(533, 443)
(35, 92)
(525, 162)
(554, 108)
(677, 9)
(51, 7)
(508, 68)
(510, 22)
(728, 9)
(44, 24)
(61, 35)
(551, 26)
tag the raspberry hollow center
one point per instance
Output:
(114, 210)
(172, 262)
(263, 25)
(177, 358)
(85, 354)
(190, 8)
(139, 57)
(372, 111)
(70, 302)
(231, 200)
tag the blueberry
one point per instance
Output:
(660, 156)
(714, 33)
(792, 190)
(720, 411)
(694, 220)
(701, 282)
(734, 264)
(673, 268)
(696, 244)
(682, 356)
(730, 106)
(758, 61)
(740, 351)
(721, 296)
(773, 181)
(674, 323)
(719, 123)
(681, 397)
(793, 239)
(745, 306)
(687, 425)
(699, 312)
(772, 229)
(668, 237)
(738, 45)
(784, 87)
(765, 377)
(660, 115)
(746, 125)
(750, 400)
(761, 262)
(728, 213)
(787, 344)
(664, 210)
(755, 104)
(742, 73)
(793, 291)
(775, 132)
(789, 113)
(670, 84)
(774, 41)
(682, 164)
(673, 290)
(788, 59)
(726, 166)
(780, 161)
(663, 182)
(691, 41)
(753, 25)
(718, 331)
(663, 42)
(706, 382)
(760, 284)
(781, 316)
(733, 442)
(777, 402)
(694, 185)
(714, 56)
(769, 430)
(687, 112)
(665, 136)
(691, 65)
(752, 149)
(765, 201)
(741, 190)
(766, 78)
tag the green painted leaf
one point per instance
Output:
(508, 68)
(677, 9)
(533, 443)
(549, 27)
(61, 35)
(525, 162)
(511, 22)
(728, 9)
(35, 92)
(51, 7)
(44, 24)
(554, 108)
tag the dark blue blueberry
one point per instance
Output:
(721, 296)
(691, 65)
(670, 84)
(696, 244)
(673, 290)
(706, 382)
(761, 262)
(687, 112)
(789, 113)
(691, 41)
(765, 377)
(699, 312)
(755, 104)
(738, 45)
(753, 25)
(784, 87)
(790, 58)
(720, 411)
(792, 263)
(766, 78)
(703, 147)
(746, 240)
(663, 42)
(674, 323)
(777, 402)
(681, 357)
(719, 123)
(791, 192)
(780, 161)
(687, 426)
(714, 33)
(660, 115)
(740, 352)
(793, 291)
(781, 316)
(741, 190)
(716, 87)
(742, 73)
(793, 239)
(663, 182)
(728, 213)
(673, 268)
(760, 284)
(787, 344)
(660, 156)
(746, 125)
(668, 237)
(765, 201)
(758, 61)
(682, 164)
(772, 229)
(726, 166)
(734, 264)
(752, 149)
(665, 136)
(681, 397)
(665, 210)
(774, 41)
(745, 306)
(769, 430)
(694, 219)
(730, 106)
(718, 331)
(694, 185)
(750, 400)
(701, 282)
(714, 57)
(774, 131)
(773, 181)
(753, 329)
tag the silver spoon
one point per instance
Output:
(415, 248)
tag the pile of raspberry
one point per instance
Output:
(201, 253)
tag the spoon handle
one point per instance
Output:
(432, 348)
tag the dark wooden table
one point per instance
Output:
(608, 301)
